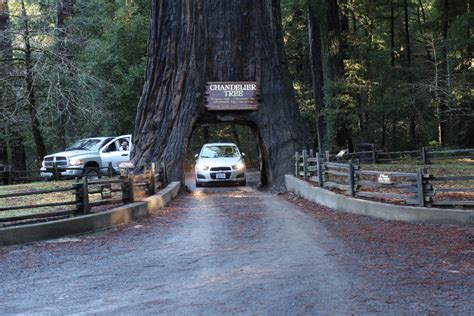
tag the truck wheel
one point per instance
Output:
(92, 173)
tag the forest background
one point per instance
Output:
(396, 73)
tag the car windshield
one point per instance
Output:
(86, 144)
(220, 152)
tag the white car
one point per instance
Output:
(89, 156)
(220, 162)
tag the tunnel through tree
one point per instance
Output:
(192, 44)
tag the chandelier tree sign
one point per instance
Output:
(222, 96)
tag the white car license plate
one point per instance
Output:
(220, 175)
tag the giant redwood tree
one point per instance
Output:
(195, 42)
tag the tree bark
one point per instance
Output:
(314, 39)
(194, 43)
(13, 141)
(30, 87)
(64, 11)
(412, 123)
(326, 14)
(447, 77)
(392, 34)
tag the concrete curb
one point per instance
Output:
(89, 223)
(376, 209)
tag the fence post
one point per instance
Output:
(327, 155)
(305, 164)
(311, 153)
(351, 179)
(320, 170)
(110, 169)
(297, 164)
(165, 175)
(420, 189)
(152, 179)
(131, 188)
(85, 196)
(424, 156)
(55, 173)
(125, 189)
(79, 200)
(11, 177)
(374, 156)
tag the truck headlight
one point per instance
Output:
(202, 167)
(240, 165)
(76, 162)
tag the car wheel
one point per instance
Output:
(198, 184)
(243, 183)
(92, 173)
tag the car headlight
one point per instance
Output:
(240, 165)
(76, 162)
(202, 167)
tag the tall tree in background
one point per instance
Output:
(30, 87)
(194, 43)
(314, 39)
(12, 151)
(327, 68)
(65, 10)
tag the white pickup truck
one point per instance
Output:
(89, 156)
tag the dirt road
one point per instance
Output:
(223, 250)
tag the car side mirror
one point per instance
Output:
(196, 156)
(243, 155)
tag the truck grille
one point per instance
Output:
(55, 162)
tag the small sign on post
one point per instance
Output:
(237, 95)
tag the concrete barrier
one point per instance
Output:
(89, 223)
(376, 209)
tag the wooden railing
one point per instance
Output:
(10, 176)
(417, 188)
(424, 155)
(87, 195)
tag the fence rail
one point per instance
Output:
(122, 189)
(424, 155)
(10, 176)
(416, 188)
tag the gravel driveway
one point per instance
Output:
(226, 250)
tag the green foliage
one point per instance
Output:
(91, 87)
(377, 100)
(114, 45)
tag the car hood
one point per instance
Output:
(219, 162)
(73, 153)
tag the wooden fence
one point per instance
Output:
(87, 195)
(416, 188)
(424, 155)
(9, 176)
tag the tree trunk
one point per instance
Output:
(5, 68)
(412, 124)
(194, 43)
(392, 34)
(64, 10)
(314, 38)
(15, 149)
(447, 77)
(326, 14)
(31, 98)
